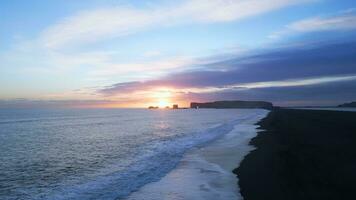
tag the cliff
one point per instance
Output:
(233, 104)
(349, 105)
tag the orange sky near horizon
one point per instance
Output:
(159, 103)
(160, 97)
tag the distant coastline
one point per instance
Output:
(233, 104)
(348, 105)
(223, 105)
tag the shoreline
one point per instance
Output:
(206, 172)
(301, 154)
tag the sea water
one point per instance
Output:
(100, 153)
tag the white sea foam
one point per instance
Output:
(152, 164)
(108, 154)
(206, 172)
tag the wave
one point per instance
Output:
(155, 159)
(200, 175)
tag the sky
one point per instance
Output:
(121, 53)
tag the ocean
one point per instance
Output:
(101, 153)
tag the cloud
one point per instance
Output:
(271, 65)
(344, 22)
(136, 86)
(142, 69)
(294, 75)
(149, 54)
(325, 24)
(324, 94)
(268, 71)
(54, 51)
(295, 82)
(99, 24)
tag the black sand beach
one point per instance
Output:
(302, 154)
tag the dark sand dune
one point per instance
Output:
(303, 154)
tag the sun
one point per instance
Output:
(162, 103)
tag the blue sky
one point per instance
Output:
(135, 53)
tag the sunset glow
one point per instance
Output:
(164, 103)
(163, 97)
(138, 100)
(137, 54)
